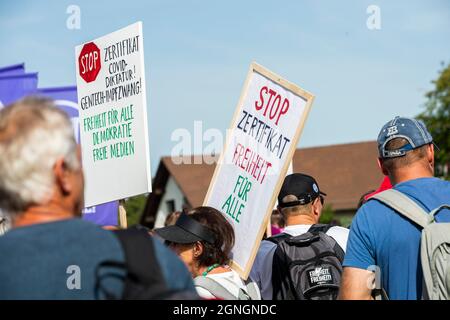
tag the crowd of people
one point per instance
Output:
(48, 252)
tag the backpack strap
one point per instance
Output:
(278, 238)
(214, 287)
(317, 228)
(403, 205)
(252, 289)
(144, 276)
(437, 210)
(219, 291)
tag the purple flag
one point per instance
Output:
(13, 70)
(14, 87)
(104, 214)
(66, 99)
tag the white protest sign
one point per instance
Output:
(113, 116)
(263, 136)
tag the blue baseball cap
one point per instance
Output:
(414, 131)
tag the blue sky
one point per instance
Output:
(198, 52)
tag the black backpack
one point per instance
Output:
(144, 279)
(308, 266)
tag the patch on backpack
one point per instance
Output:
(319, 276)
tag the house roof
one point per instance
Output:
(193, 179)
(345, 172)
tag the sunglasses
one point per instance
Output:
(322, 199)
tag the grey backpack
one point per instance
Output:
(220, 292)
(434, 245)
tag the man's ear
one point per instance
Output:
(380, 165)
(61, 176)
(316, 208)
(430, 152)
(430, 155)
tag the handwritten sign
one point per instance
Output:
(265, 130)
(113, 116)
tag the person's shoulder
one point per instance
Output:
(266, 246)
(441, 185)
(230, 275)
(204, 293)
(372, 212)
(7, 241)
(340, 235)
(265, 249)
(91, 231)
(77, 225)
(339, 230)
(369, 206)
(425, 181)
(415, 187)
(68, 228)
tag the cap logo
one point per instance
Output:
(391, 131)
(316, 189)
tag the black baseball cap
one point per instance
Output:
(302, 186)
(186, 230)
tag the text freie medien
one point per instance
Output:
(113, 128)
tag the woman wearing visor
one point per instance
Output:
(203, 239)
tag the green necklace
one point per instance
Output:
(209, 269)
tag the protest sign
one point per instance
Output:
(66, 99)
(113, 116)
(264, 132)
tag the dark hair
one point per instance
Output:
(277, 218)
(219, 251)
(391, 164)
(363, 200)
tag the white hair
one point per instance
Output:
(34, 134)
(5, 223)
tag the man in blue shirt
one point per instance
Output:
(382, 239)
(49, 253)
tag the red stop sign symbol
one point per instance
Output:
(89, 62)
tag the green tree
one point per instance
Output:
(437, 118)
(327, 215)
(135, 207)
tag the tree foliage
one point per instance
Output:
(135, 207)
(437, 118)
(327, 215)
